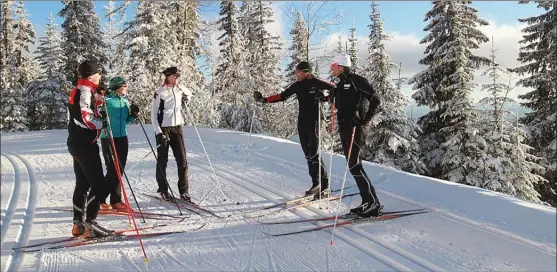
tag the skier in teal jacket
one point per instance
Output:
(121, 114)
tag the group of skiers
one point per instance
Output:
(95, 113)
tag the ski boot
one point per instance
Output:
(186, 198)
(105, 207)
(78, 228)
(94, 230)
(312, 191)
(167, 197)
(369, 209)
(120, 207)
(325, 193)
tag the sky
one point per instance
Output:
(403, 22)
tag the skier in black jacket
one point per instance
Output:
(306, 88)
(356, 103)
(84, 128)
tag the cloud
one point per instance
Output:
(405, 48)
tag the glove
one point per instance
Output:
(258, 97)
(103, 115)
(162, 139)
(134, 111)
(322, 96)
(359, 121)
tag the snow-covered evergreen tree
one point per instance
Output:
(81, 41)
(353, 50)
(508, 167)
(47, 96)
(114, 50)
(298, 49)
(24, 37)
(539, 58)
(12, 111)
(247, 116)
(452, 147)
(230, 73)
(150, 51)
(392, 141)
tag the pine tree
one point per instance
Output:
(81, 41)
(24, 38)
(150, 51)
(451, 145)
(114, 50)
(508, 167)
(229, 73)
(539, 58)
(392, 142)
(353, 51)
(298, 49)
(46, 96)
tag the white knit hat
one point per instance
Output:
(342, 60)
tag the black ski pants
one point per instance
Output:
(367, 192)
(89, 174)
(111, 178)
(309, 140)
(176, 142)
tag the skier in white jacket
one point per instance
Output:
(167, 120)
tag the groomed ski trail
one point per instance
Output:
(17, 227)
(266, 192)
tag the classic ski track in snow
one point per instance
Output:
(367, 249)
(9, 209)
(15, 259)
(546, 248)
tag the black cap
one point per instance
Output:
(88, 68)
(303, 66)
(171, 71)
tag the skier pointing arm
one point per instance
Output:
(307, 89)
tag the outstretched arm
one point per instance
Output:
(284, 95)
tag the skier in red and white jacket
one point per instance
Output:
(84, 128)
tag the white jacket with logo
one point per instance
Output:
(167, 106)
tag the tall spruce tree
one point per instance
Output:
(452, 148)
(353, 50)
(298, 49)
(114, 50)
(392, 142)
(508, 167)
(539, 58)
(81, 41)
(47, 96)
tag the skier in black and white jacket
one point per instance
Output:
(167, 120)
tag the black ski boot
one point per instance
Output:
(312, 191)
(369, 209)
(167, 197)
(94, 230)
(325, 193)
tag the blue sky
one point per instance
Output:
(403, 20)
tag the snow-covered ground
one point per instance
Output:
(467, 228)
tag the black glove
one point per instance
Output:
(359, 121)
(134, 111)
(322, 96)
(103, 115)
(258, 97)
(162, 140)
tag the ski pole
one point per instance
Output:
(343, 181)
(204, 150)
(129, 169)
(333, 111)
(158, 166)
(246, 156)
(117, 166)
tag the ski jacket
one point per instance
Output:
(84, 126)
(305, 91)
(119, 115)
(167, 106)
(355, 97)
